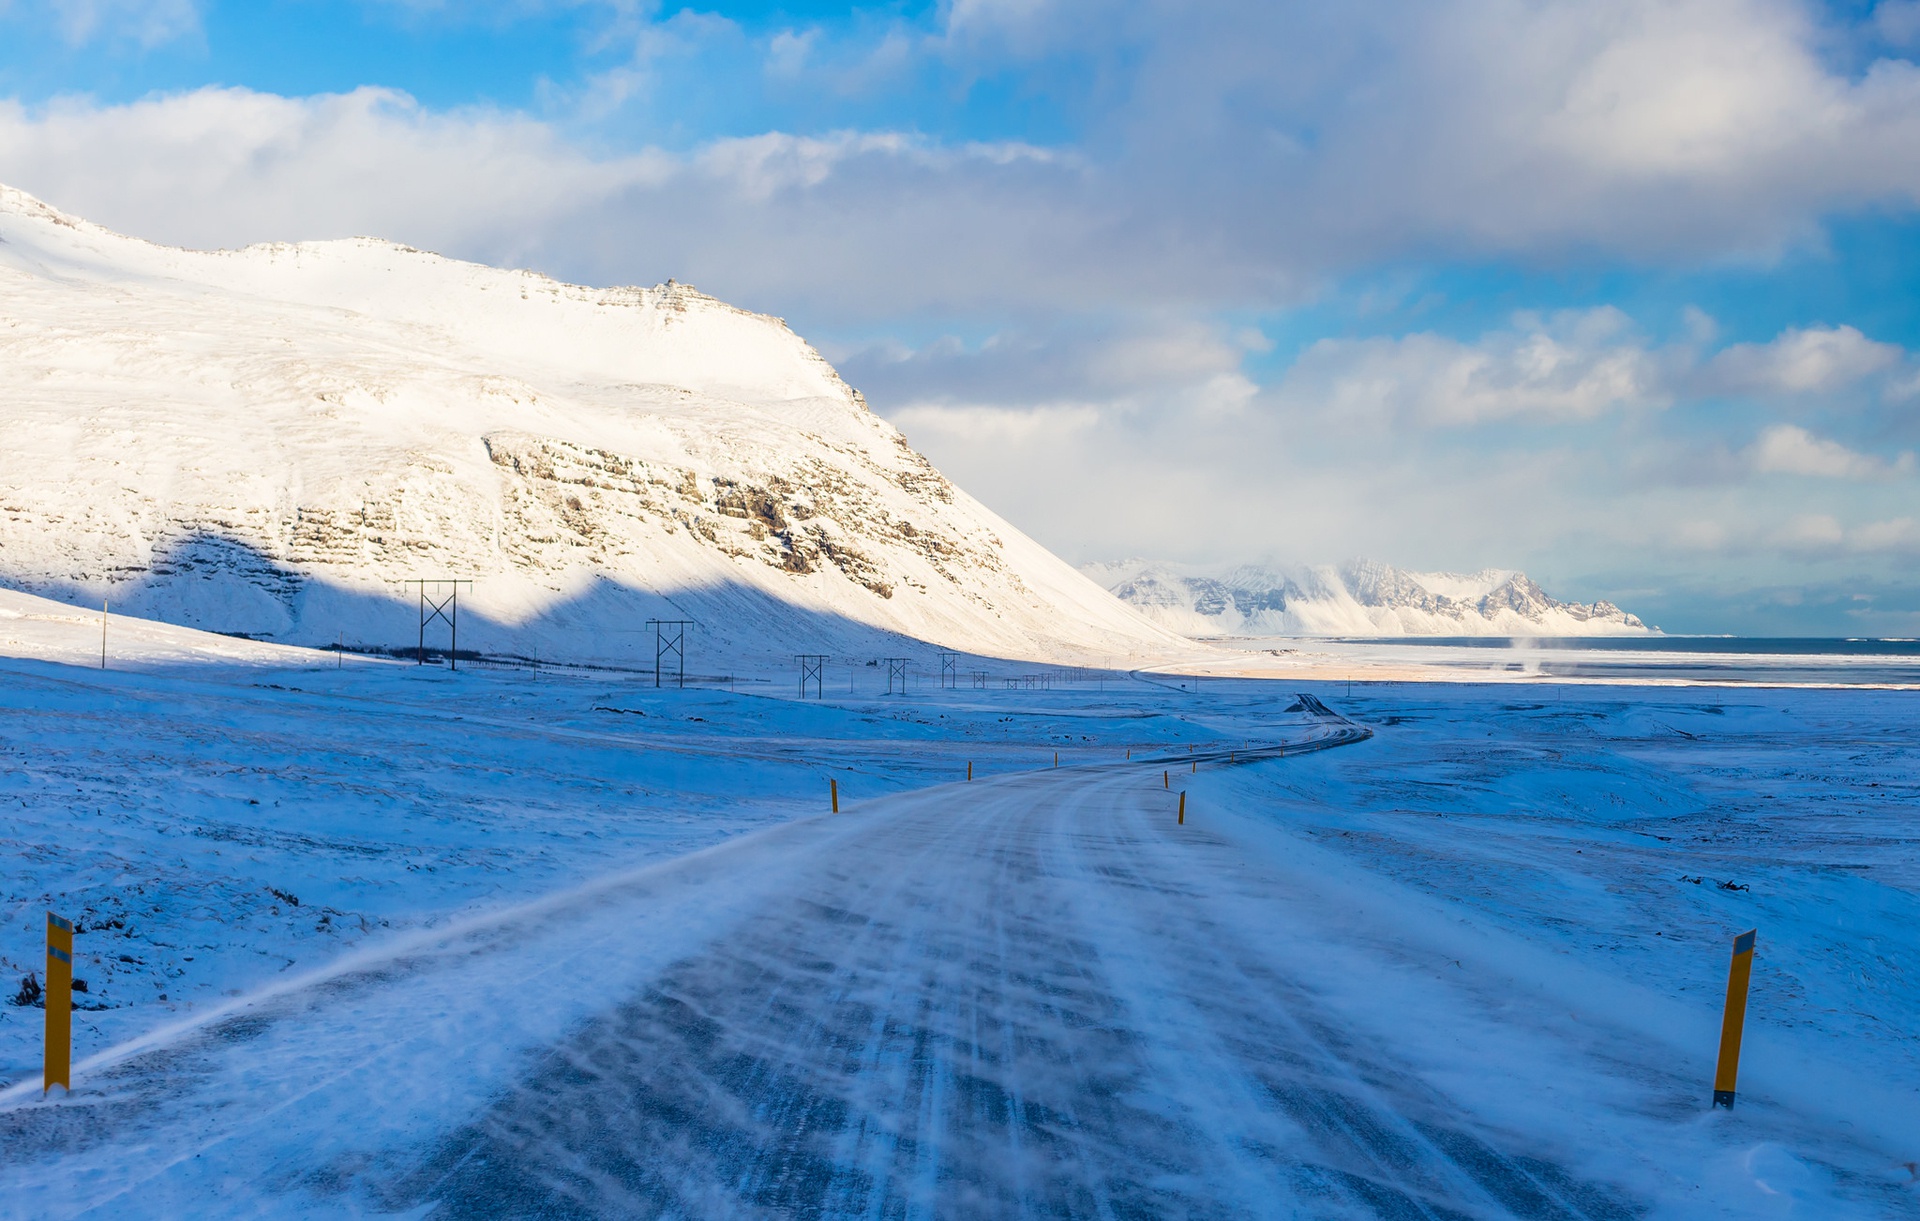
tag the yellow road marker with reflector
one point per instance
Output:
(59, 1057)
(1183, 809)
(1733, 1019)
(833, 791)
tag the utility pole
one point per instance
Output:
(811, 667)
(446, 610)
(670, 636)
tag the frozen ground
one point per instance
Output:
(568, 946)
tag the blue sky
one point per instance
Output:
(1621, 295)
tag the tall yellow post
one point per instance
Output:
(1733, 1019)
(59, 1057)
(1166, 780)
(1183, 809)
(969, 769)
(833, 791)
(1196, 767)
(1056, 758)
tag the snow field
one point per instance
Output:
(1560, 873)
(1479, 929)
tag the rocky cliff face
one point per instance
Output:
(1361, 599)
(272, 441)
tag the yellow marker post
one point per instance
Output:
(1166, 780)
(1733, 1019)
(1056, 758)
(1196, 767)
(59, 1057)
(969, 769)
(833, 791)
(1183, 808)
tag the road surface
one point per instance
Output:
(1033, 996)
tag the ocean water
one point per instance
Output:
(1833, 661)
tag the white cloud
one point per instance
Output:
(1580, 365)
(1574, 366)
(991, 427)
(1791, 450)
(1231, 155)
(1899, 535)
(1811, 533)
(223, 167)
(1814, 360)
(148, 23)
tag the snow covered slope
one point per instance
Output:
(271, 441)
(1362, 599)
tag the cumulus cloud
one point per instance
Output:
(1583, 364)
(1792, 450)
(1573, 366)
(1821, 535)
(1813, 360)
(1213, 155)
(1899, 535)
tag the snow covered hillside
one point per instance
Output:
(1361, 599)
(271, 441)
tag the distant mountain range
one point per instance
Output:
(1359, 599)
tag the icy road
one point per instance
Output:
(1466, 967)
(1036, 996)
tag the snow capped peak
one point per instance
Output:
(271, 440)
(1360, 598)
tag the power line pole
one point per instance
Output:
(897, 669)
(811, 667)
(447, 610)
(670, 636)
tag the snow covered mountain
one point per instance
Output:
(1361, 599)
(272, 441)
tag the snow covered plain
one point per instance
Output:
(566, 945)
